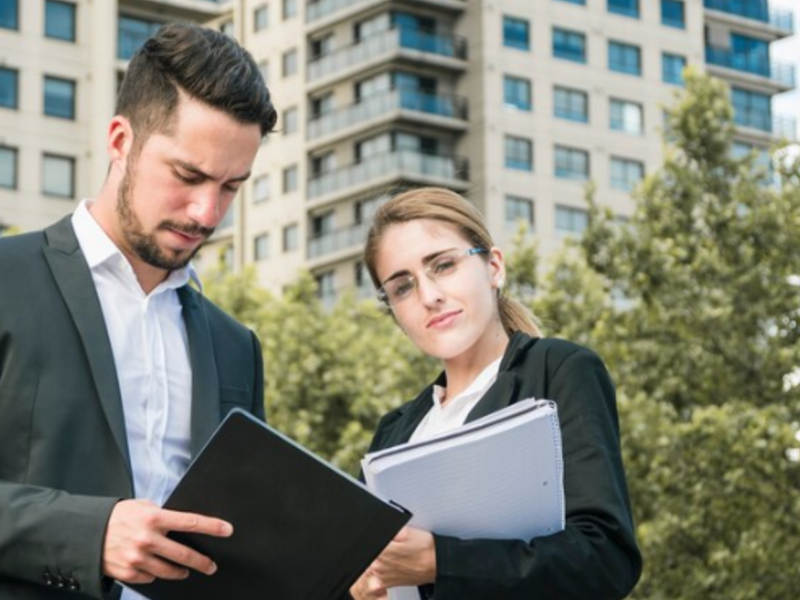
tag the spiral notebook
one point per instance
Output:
(499, 477)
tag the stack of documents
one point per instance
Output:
(499, 477)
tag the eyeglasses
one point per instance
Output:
(398, 289)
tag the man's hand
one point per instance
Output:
(137, 549)
(368, 587)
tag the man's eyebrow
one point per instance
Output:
(197, 171)
(425, 261)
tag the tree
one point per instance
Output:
(330, 374)
(695, 305)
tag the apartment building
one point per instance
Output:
(514, 103)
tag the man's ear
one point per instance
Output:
(120, 141)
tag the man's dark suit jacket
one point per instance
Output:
(64, 459)
(596, 556)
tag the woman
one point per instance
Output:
(432, 259)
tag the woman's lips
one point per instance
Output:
(442, 320)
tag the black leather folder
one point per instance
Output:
(303, 530)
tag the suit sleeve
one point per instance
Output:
(258, 381)
(595, 557)
(51, 537)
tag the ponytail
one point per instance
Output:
(515, 317)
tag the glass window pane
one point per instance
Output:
(571, 163)
(59, 97)
(58, 176)
(9, 88)
(672, 13)
(569, 45)
(624, 58)
(672, 67)
(132, 33)
(261, 247)
(516, 33)
(59, 20)
(8, 167)
(518, 153)
(261, 18)
(9, 14)
(629, 8)
(517, 93)
(519, 209)
(572, 105)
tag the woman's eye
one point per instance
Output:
(403, 287)
(444, 266)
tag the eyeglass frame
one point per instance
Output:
(383, 297)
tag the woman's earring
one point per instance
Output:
(500, 284)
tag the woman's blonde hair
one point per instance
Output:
(443, 205)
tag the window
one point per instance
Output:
(581, 2)
(9, 14)
(290, 121)
(289, 9)
(321, 105)
(229, 218)
(572, 164)
(228, 29)
(290, 179)
(59, 20)
(673, 13)
(569, 45)
(571, 220)
(8, 167)
(517, 92)
(263, 68)
(572, 105)
(132, 33)
(58, 176)
(626, 116)
(751, 109)
(672, 66)
(624, 58)
(9, 88)
(261, 18)
(290, 237)
(289, 63)
(625, 173)
(321, 46)
(322, 224)
(261, 188)
(59, 97)
(516, 33)
(629, 8)
(519, 209)
(322, 164)
(326, 286)
(261, 247)
(519, 153)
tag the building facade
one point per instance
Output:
(515, 103)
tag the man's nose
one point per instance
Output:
(205, 208)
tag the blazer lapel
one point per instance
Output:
(74, 280)
(205, 380)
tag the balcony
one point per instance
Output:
(447, 50)
(413, 165)
(782, 20)
(759, 121)
(402, 99)
(187, 10)
(339, 239)
(317, 10)
(782, 75)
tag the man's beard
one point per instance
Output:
(143, 244)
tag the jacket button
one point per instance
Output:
(48, 577)
(73, 584)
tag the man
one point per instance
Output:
(113, 370)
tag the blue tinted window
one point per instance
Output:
(572, 105)
(9, 84)
(569, 45)
(752, 109)
(581, 2)
(629, 8)
(518, 153)
(59, 97)
(672, 66)
(572, 163)
(9, 14)
(517, 93)
(624, 58)
(516, 33)
(673, 13)
(59, 20)
(132, 33)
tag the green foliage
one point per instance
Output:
(695, 305)
(330, 373)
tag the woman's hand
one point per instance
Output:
(409, 559)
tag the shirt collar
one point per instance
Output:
(478, 385)
(99, 249)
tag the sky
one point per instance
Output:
(788, 50)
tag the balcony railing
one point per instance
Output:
(758, 11)
(784, 127)
(400, 162)
(375, 105)
(781, 126)
(323, 8)
(338, 239)
(779, 72)
(386, 41)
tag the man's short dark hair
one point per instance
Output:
(205, 64)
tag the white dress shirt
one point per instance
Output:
(151, 354)
(454, 412)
